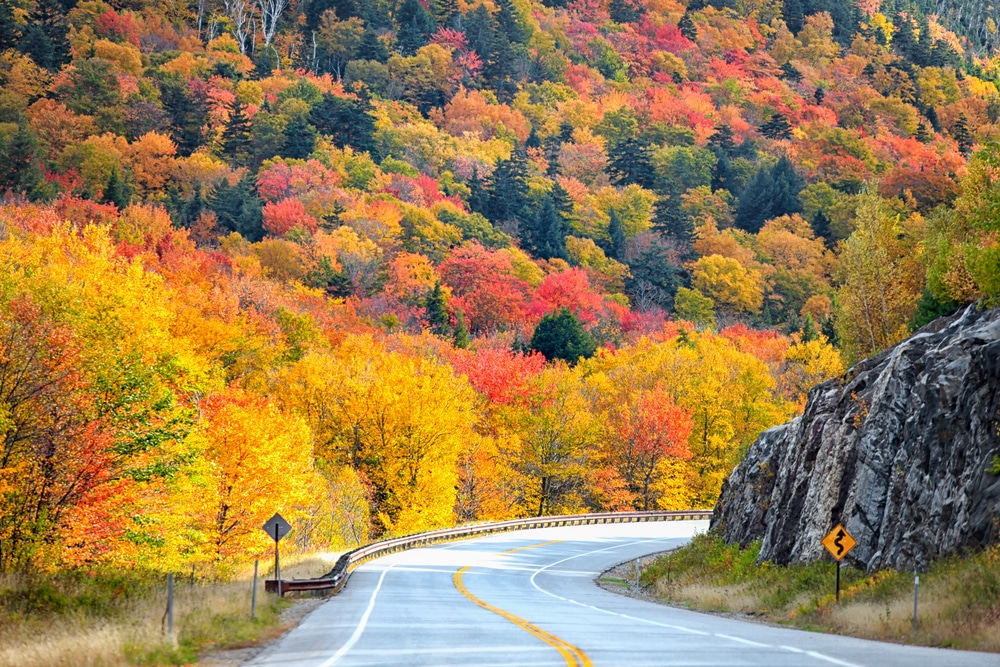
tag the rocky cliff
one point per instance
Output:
(900, 450)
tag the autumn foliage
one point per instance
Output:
(299, 266)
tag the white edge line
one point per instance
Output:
(820, 656)
(812, 654)
(742, 641)
(342, 651)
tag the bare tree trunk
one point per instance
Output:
(270, 12)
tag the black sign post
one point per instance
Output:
(838, 542)
(276, 528)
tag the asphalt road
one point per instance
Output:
(528, 598)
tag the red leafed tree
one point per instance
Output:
(283, 216)
(485, 288)
(499, 374)
(645, 432)
(569, 289)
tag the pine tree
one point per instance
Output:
(625, 11)
(435, 311)
(479, 196)
(508, 198)
(509, 23)
(724, 148)
(552, 147)
(616, 232)
(116, 191)
(688, 28)
(931, 114)
(20, 168)
(300, 139)
(235, 141)
(545, 235)
(238, 209)
(821, 227)
(346, 121)
(792, 11)
(819, 95)
(416, 24)
(371, 47)
(790, 73)
(962, 135)
(670, 220)
(194, 206)
(923, 135)
(770, 193)
(777, 127)
(561, 336)
(630, 161)
(460, 337)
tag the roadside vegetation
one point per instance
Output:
(118, 618)
(959, 603)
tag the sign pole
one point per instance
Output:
(837, 565)
(277, 562)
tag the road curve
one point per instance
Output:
(528, 598)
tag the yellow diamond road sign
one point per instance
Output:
(838, 542)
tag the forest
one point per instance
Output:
(392, 265)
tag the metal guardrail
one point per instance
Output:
(335, 580)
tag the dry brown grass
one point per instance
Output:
(206, 614)
(959, 597)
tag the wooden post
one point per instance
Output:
(170, 606)
(916, 597)
(253, 595)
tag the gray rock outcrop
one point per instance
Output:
(900, 450)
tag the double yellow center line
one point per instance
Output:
(573, 656)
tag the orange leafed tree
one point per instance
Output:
(646, 433)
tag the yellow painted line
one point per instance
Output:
(573, 656)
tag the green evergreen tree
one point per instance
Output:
(793, 15)
(235, 141)
(416, 25)
(562, 336)
(821, 227)
(436, 312)
(238, 209)
(923, 135)
(631, 161)
(508, 198)
(334, 283)
(346, 121)
(790, 73)
(688, 28)
(371, 47)
(808, 331)
(625, 11)
(671, 220)
(776, 127)
(117, 191)
(460, 337)
(300, 139)
(479, 196)
(770, 193)
(20, 167)
(545, 234)
(194, 206)
(962, 135)
(616, 232)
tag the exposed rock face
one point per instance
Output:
(899, 451)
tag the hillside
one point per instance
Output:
(387, 266)
(903, 451)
